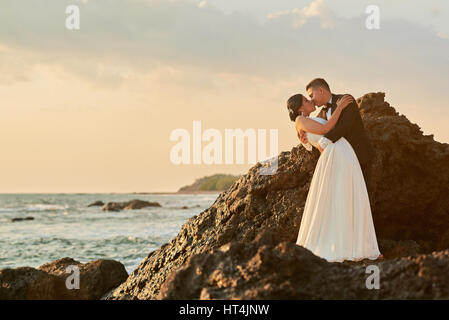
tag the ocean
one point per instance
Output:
(64, 226)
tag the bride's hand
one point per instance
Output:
(345, 101)
(302, 136)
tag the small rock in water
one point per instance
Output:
(133, 204)
(96, 203)
(21, 219)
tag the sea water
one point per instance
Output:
(64, 226)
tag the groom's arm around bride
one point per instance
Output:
(345, 123)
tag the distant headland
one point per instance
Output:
(210, 184)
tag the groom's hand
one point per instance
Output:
(302, 136)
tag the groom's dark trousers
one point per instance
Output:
(350, 126)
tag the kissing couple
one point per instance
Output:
(337, 223)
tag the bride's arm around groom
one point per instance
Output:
(309, 125)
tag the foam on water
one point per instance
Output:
(64, 226)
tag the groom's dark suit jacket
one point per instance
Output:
(350, 126)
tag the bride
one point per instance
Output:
(336, 223)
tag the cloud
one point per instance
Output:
(155, 65)
(121, 39)
(299, 17)
(442, 35)
(435, 11)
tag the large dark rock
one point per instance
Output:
(48, 282)
(133, 204)
(27, 283)
(400, 248)
(409, 203)
(411, 177)
(264, 269)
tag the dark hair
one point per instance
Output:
(318, 83)
(293, 105)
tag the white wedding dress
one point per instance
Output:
(337, 224)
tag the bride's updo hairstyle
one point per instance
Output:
(293, 105)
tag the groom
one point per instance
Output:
(349, 125)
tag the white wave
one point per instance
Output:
(44, 207)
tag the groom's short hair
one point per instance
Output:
(318, 83)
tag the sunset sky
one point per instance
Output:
(91, 110)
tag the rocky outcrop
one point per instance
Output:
(411, 178)
(262, 269)
(410, 183)
(96, 204)
(265, 269)
(127, 205)
(48, 282)
(27, 283)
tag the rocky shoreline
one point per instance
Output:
(244, 245)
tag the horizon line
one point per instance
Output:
(156, 192)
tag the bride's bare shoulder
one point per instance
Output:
(300, 119)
